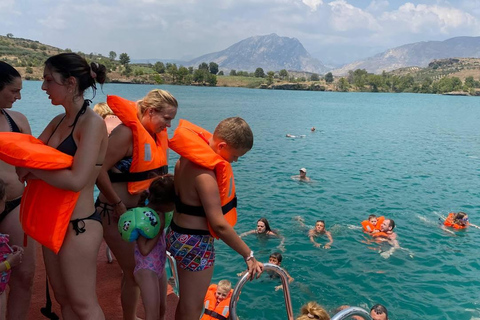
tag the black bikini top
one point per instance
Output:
(11, 123)
(68, 145)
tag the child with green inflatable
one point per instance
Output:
(146, 225)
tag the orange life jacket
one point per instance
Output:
(369, 227)
(150, 156)
(45, 210)
(380, 234)
(221, 311)
(449, 222)
(191, 142)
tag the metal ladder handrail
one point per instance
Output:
(244, 279)
(352, 311)
(173, 269)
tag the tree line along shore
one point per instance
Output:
(445, 76)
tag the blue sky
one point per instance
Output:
(336, 31)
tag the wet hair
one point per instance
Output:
(460, 215)
(3, 191)
(313, 310)
(267, 225)
(72, 65)
(379, 309)
(372, 216)
(277, 255)
(102, 109)
(224, 285)
(235, 132)
(391, 224)
(156, 99)
(7, 74)
(322, 221)
(161, 190)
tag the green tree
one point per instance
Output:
(329, 77)
(182, 74)
(233, 73)
(270, 75)
(172, 70)
(469, 82)
(314, 77)
(203, 66)
(259, 73)
(283, 74)
(221, 73)
(124, 59)
(9, 35)
(190, 70)
(159, 67)
(343, 84)
(213, 67)
(112, 55)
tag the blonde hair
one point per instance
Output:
(313, 310)
(156, 99)
(224, 285)
(235, 132)
(102, 109)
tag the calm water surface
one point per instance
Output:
(409, 157)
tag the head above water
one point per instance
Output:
(275, 258)
(313, 310)
(373, 219)
(388, 225)
(379, 312)
(263, 226)
(320, 226)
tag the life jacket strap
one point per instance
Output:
(215, 315)
(137, 176)
(230, 205)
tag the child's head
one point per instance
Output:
(3, 195)
(275, 258)
(232, 138)
(373, 219)
(161, 194)
(320, 226)
(313, 310)
(263, 226)
(461, 218)
(223, 289)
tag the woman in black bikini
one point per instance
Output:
(154, 113)
(82, 134)
(21, 280)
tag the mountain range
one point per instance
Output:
(270, 52)
(418, 54)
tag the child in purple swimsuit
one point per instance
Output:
(150, 254)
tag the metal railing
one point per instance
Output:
(244, 279)
(352, 311)
(173, 270)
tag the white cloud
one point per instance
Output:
(377, 6)
(345, 17)
(428, 18)
(313, 4)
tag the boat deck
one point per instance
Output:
(108, 290)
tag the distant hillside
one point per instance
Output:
(271, 53)
(418, 54)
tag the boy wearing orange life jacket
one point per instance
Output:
(458, 220)
(372, 224)
(217, 301)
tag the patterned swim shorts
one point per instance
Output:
(192, 252)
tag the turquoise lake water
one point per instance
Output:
(409, 157)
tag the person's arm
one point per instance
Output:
(473, 225)
(120, 144)
(145, 246)
(329, 236)
(207, 190)
(247, 233)
(311, 235)
(394, 246)
(289, 279)
(78, 176)
(281, 246)
(13, 259)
